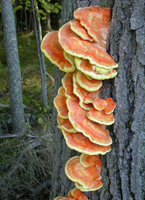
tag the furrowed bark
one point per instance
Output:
(15, 90)
(122, 168)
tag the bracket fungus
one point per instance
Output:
(77, 141)
(77, 28)
(81, 123)
(60, 105)
(84, 49)
(77, 194)
(107, 105)
(96, 20)
(88, 160)
(73, 194)
(65, 125)
(100, 117)
(82, 175)
(64, 198)
(54, 52)
(86, 83)
(79, 49)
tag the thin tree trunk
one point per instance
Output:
(44, 86)
(47, 24)
(17, 111)
(40, 58)
(122, 172)
(26, 26)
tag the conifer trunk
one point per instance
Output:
(122, 169)
(15, 90)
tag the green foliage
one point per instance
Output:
(45, 7)
(31, 82)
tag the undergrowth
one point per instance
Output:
(25, 161)
(25, 168)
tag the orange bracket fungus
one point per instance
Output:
(81, 123)
(79, 49)
(96, 20)
(74, 194)
(77, 28)
(82, 144)
(54, 52)
(60, 104)
(82, 175)
(84, 49)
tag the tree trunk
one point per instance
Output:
(18, 120)
(123, 168)
(38, 36)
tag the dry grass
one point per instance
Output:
(25, 170)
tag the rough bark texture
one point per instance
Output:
(38, 35)
(17, 111)
(122, 172)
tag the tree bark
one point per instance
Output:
(17, 111)
(123, 168)
(41, 61)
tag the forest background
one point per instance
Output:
(25, 148)
(26, 155)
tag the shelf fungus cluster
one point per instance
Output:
(74, 194)
(79, 49)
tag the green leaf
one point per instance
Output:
(44, 18)
(38, 15)
(40, 11)
(17, 8)
(51, 7)
(35, 3)
(49, 11)
(40, 120)
(47, 106)
(59, 6)
(55, 10)
(45, 5)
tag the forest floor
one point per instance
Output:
(25, 162)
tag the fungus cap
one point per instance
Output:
(87, 84)
(84, 49)
(89, 70)
(60, 105)
(79, 120)
(54, 52)
(69, 57)
(67, 83)
(80, 30)
(89, 160)
(107, 105)
(64, 198)
(100, 117)
(77, 141)
(97, 185)
(96, 20)
(65, 125)
(77, 173)
(84, 95)
(77, 194)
